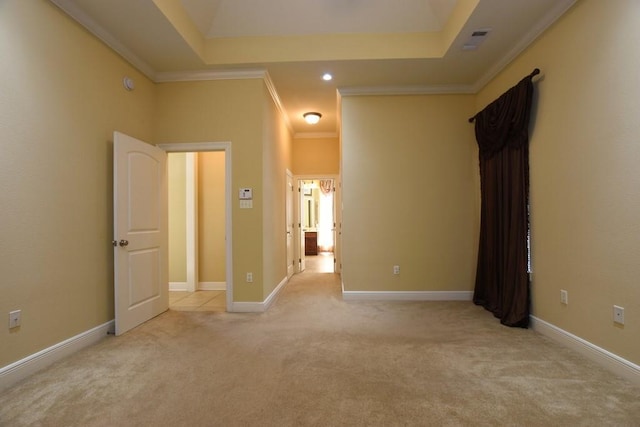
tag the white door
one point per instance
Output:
(289, 226)
(337, 226)
(140, 232)
(301, 242)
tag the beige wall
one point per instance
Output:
(62, 98)
(408, 193)
(211, 217)
(242, 112)
(225, 110)
(585, 178)
(176, 177)
(277, 159)
(319, 156)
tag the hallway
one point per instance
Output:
(321, 263)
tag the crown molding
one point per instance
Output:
(202, 75)
(276, 99)
(405, 90)
(69, 7)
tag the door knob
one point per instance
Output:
(124, 243)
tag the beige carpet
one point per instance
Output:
(314, 360)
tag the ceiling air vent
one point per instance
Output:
(477, 37)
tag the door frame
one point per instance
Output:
(225, 146)
(337, 217)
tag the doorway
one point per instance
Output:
(318, 219)
(200, 272)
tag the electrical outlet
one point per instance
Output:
(618, 314)
(249, 277)
(396, 269)
(14, 319)
(564, 296)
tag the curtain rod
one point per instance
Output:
(535, 72)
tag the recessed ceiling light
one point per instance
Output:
(327, 77)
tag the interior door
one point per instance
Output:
(337, 226)
(289, 225)
(140, 232)
(301, 241)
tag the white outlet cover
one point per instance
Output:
(564, 297)
(618, 314)
(14, 319)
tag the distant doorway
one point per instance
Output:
(317, 217)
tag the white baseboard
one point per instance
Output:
(258, 307)
(212, 286)
(17, 371)
(616, 364)
(407, 295)
(177, 286)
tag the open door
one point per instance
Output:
(302, 262)
(140, 232)
(290, 224)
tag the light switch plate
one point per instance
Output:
(14, 319)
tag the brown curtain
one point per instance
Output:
(502, 132)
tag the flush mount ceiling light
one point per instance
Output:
(326, 77)
(312, 118)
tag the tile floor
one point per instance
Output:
(198, 301)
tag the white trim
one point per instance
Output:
(406, 295)
(614, 363)
(188, 147)
(405, 90)
(226, 147)
(177, 286)
(205, 75)
(212, 286)
(17, 371)
(191, 215)
(259, 307)
(276, 99)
